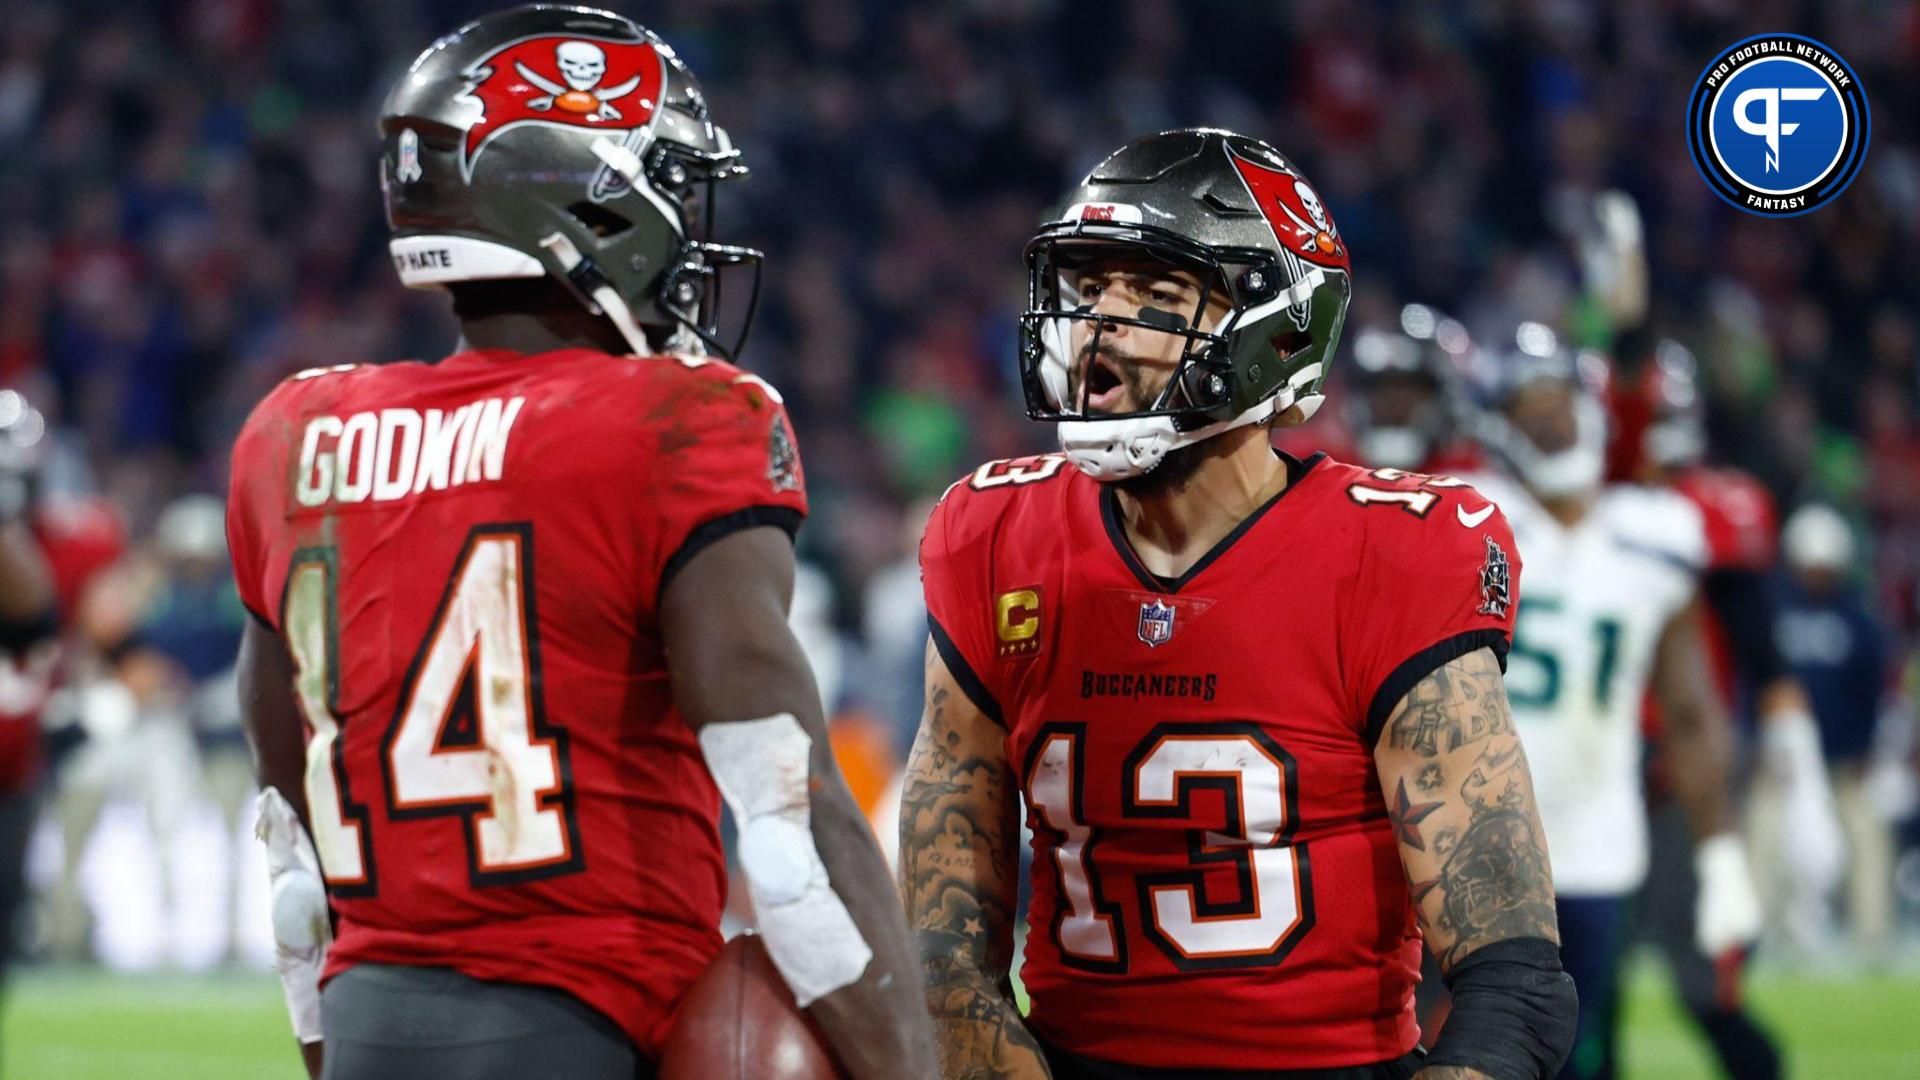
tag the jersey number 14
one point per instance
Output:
(479, 661)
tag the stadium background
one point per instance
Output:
(189, 212)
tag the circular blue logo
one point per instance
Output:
(1778, 125)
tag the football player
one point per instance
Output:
(520, 614)
(1660, 439)
(27, 660)
(1404, 406)
(1613, 612)
(1253, 704)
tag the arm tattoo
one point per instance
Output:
(959, 864)
(1470, 839)
(1455, 707)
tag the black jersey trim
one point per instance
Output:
(963, 673)
(1424, 663)
(1116, 531)
(784, 518)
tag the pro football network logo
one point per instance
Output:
(562, 82)
(1778, 125)
(1156, 623)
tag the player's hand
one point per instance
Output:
(313, 1056)
(301, 929)
(1727, 909)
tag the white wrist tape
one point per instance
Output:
(301, 930)
(761, 767)
(1727, 910)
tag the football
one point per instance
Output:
(739, 1022)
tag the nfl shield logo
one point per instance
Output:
(1156, 623)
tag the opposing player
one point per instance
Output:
(1253, 703)
(519, 615)
(27, 655)
(1613, 612)
(1405, 409)
(1659, 439)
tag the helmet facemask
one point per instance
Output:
(1262, 301)
(684, 181)
(1065, 361)
(1074, 355)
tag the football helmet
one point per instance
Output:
(1535, 354)
(1403, 388)
(23, 433)
(1657, 413)
(564, 142)
(1240, 217)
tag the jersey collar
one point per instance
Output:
(1117, 534)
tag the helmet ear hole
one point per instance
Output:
(599, 220)
(1290, 342)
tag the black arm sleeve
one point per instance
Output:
(1513, 1011)
(1743, 602)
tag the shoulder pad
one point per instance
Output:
(1659, 521)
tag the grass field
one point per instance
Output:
(84, 1025)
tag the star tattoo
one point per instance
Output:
(1407, 815)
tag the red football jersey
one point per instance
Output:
(465, 560)
(1742, 534)
(1742, 530)
(1216, 884)
(78, 538)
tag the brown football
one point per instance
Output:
(739, 1022)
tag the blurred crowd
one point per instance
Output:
(189, 212)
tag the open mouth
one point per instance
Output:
(1104, 389)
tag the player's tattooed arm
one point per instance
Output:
(1461, 802)
(959, 874)
(1696, 732)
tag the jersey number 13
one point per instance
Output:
(1270, 906)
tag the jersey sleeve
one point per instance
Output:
(255, 486)
(723, 458)
(1430, 590)
(955, 573)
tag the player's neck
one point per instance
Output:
(525, 332)
(1172, 528)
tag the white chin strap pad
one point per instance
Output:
(301, 929)
(762, 769)
(1116, 449)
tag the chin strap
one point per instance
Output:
(1110, 450)
(593, 289)
(1116, 449)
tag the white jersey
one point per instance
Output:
(1594, 600)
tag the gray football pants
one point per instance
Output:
(405, 1023)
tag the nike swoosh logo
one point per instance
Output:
(1473, 520)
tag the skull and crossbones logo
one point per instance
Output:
(582, 67)
(1318, 234)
